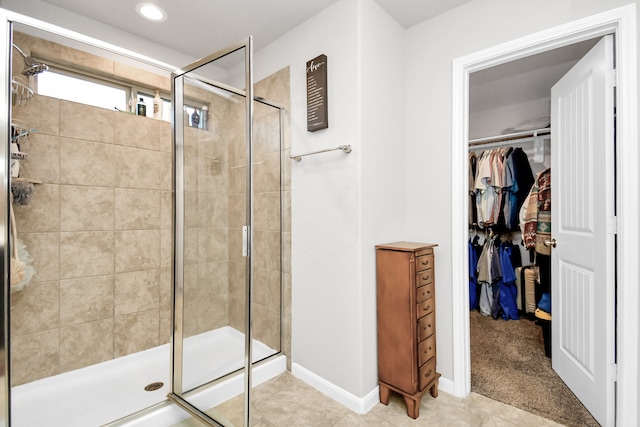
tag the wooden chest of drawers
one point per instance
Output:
(406, 322)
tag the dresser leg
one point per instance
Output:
(384, 394)
(434, 388)
(413, 406)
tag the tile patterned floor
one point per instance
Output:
(288, 402)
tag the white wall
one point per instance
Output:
(342, 205)
(431, 47)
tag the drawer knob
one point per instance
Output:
(426, 308)
(426, 277)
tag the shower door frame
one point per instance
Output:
(178, 125)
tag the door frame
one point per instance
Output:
(622, 23)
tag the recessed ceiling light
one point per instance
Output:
(151, 12)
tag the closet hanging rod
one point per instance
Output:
(509, 137)
(345, 148)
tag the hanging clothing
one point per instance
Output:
(502, 181)
(536, 214)
(473, 217)
(473, 282)
(508, 289)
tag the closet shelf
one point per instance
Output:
(21, 91)
(509, 137)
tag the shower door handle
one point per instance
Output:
(245, 241)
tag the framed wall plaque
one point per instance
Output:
(317, 107)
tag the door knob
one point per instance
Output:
(551, 243)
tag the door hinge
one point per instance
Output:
(612, 225)
(245, 241)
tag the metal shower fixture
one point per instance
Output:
(33, 67)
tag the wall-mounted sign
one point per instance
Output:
(317, 108)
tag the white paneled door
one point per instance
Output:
(583, 227)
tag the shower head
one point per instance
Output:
(32, 67)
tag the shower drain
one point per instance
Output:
(154, 386)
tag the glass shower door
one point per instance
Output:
(213, 238)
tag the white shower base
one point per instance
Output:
(105, 392)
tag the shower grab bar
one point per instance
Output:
(345, 148)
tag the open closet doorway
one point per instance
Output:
(620, 393)
(510, 159)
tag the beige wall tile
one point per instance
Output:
(266, 136)
(212, 244)
(46, 124)
(86, 344)
(267, 172)
(191, 246)
(36, 308)
(237, 177)
(237, 210)
(267, 329)
(34, 356)
(273, 211)
(190, 174)
(137, 131)
(137, 291)
(138, 168)
(86, 299)
(43, 162)
(165, 326)
(166, 138)
(275, 284)
(166, 248)
(166, 210)
(137, 209)
(80, 121)
(166, 287)
(37, 46)
(87, 253)
(212, 210)
(260, 286)
(85, 208)
(235, 245)
(162, 82)
(260, 248)
(190, 142)
(286, 289)
(286, 261)
(191, 217)
(42, 214)
(87, 60)
(214, 276)
(213, 176)
(137, 250)
(286, 210)
(44, 249)
(211, 145)
(260, 211)
(87, 163)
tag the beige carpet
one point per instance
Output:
(508, 364)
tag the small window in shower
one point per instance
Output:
(82, 90)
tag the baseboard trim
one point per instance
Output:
(359, 405)
(446, 385)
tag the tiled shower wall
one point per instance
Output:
(99, 229)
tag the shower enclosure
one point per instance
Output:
(157, 246)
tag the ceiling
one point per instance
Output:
(199, 27)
